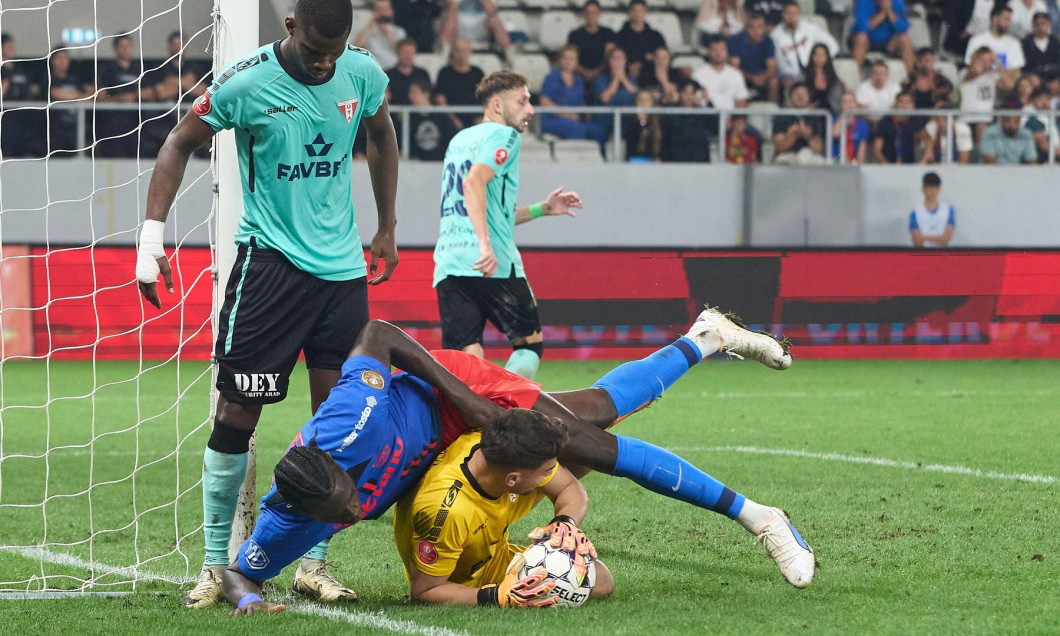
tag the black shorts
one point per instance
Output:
(467, 302)
(272, 312)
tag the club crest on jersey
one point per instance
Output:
(348, 108)
(426, 553)
(202, 105)
(256, 557)
(372, 379)
(500, 156)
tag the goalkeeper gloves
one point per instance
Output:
(564, 534)
(536, 589)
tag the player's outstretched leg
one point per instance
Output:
(715, 331)
(315, 581)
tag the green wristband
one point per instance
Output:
(536, 211)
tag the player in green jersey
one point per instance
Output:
(478, 273)
(299, 283)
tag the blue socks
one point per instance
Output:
(636, 384)
(662, 472)
(222, 476)
(523, 362)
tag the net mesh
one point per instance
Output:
(104, 400)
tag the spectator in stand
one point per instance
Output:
(429, 133)
(794, 39)
(963, 19)
(723, 84)
(404, 72)
(753, 53)
(120, 83)
(417, 18)
(642, 132)
(881, 25)
(1023, 12)
(1008, 49)
(895, 140)
(615, 87)
(64, 86)
(687, 137)
(741, 144)
(592, 41)
(380, 35)
(937, 145)
(477, 21)
(979, 88)
(855, 136)
(932, 224)
(826, 89)
(771, 10)
(20, 134)
(1043, 129)
(1025, 85)
(719, 18)
(878, 92)
(457, 81)
(564, 87)
(1041, 50)
(926, 84)
(1006, 142)
(660, 76)
(799, 139)
(178, 78)
(637, 38)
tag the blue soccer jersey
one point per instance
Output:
(383, 430)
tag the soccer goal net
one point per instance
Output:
(105, 401)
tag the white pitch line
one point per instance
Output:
(374, 619)
(783, 395)
(361, 619)
(875, 461)
(60, 558)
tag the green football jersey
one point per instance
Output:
(294, 142)
(496, 146)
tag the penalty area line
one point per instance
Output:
(874, 461)
(377, 620)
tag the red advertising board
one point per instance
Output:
(618, 303)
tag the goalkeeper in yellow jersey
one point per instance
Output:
(452, 531)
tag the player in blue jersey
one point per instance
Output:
(299, 282)
(478, 271)
(375, 436)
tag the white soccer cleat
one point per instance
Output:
(313, 580)
(208, 590)
(715, 331)
(787, 547)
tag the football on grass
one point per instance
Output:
(574, 577)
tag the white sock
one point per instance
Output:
(753, 515)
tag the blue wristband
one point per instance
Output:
(247, 599)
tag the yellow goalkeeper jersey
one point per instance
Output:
(448, 527)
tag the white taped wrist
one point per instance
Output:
(150, 251)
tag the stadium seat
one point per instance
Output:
(555, 27)
(668, 24)
(848, 72)
(547, 5)
(488, 62)
(432, 63)
(919, 33)
(361, 17)
(949, 71)
(896, 70)
(615, 19)
(688, 61)
(534, 65)
(763, 122)
(576, 151)
(689, 6)
(515, 22)
(507, 4)
(611, 5)
(534, 150)
(819, 20)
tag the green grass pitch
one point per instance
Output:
(928, 490)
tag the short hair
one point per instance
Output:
(756, 15)
(643, 3)
(1038, 92)
(175, 34)
(6, 37)
(404, 42)
(422, 83)
(999, 8)
(931, 179)
(713, 39)
(788, 3)
(565, 48)
(305, 477)
(879, 63)
(119, 38)
(925, 50)
(523, 439)
(330, 18)
(982, 50)
(591, 3)
(1041, 15)
(686, 82)
(797, 85)
(498, 82)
